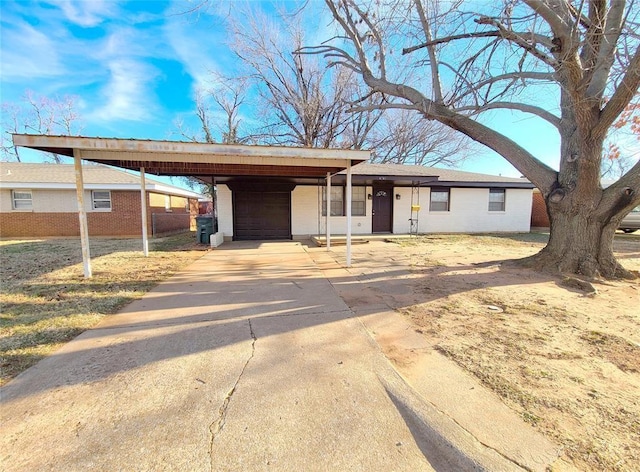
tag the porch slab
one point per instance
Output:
(341, 239)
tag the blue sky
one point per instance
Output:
(133, 67)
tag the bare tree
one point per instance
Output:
(38, 114)
(451, 65)
(306, 104)
(404, 137)
(218, 109)
(301, 101)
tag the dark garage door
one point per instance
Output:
(261, 215)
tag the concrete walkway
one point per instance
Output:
(247, 360)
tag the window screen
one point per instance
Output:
(101, 199)
(337, 202)
(439, 199)
(22, 200)
(496, 199)
(358, 201)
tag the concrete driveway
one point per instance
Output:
(246, 360)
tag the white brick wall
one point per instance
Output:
(469, 212)
(225, 211)
(304, 211)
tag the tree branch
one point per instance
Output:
(626, 90)
(514, 37)
(433, 60)
(447, 39)
(560, 24)
(607, 45)
(539, 173)
(522, 75)
(523, 107)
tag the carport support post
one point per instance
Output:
(143, 210)
(349, 213)
(82, 215)
(328, 226)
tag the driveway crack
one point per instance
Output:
(216, 427)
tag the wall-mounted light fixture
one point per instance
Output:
(369, 197)
(398, 196)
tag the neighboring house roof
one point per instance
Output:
(95, 176)
(401, 174)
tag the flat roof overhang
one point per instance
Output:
(202, 160)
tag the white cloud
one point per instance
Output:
(127, 94)
(192, 46)
(33, 54)
(87, 13)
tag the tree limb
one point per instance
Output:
(523, 107)
(551, 12)
(627, 88)
(514, 37)
(605, 54)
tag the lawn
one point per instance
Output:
(46, 301)
(567, 361)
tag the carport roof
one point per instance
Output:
(197, 159)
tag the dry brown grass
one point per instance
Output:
(567, 362)
(46, 301)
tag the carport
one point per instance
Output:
(210, 163)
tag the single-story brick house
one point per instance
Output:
(39, 200)
(386, 198)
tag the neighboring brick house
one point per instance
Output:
(539, 216)
(39, 200)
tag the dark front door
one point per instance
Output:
(261, 215)
(382, 209)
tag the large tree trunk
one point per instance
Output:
(582, 222)
(580, 243)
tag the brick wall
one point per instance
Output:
(124, 219)
(539, 215)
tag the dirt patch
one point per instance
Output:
(567, 360)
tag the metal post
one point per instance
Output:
(143, 210)
(328, 225)
(82, 215)
(349, 213)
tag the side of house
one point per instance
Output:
(39, 200)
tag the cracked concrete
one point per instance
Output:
(218, 424)
(138, 390)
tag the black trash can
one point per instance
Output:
(205, 228)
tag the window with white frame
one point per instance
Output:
(167, 203)
(358, 201)
(497, 199)
(337, 201)
(439, 199)
(22, 199)
(101, 199)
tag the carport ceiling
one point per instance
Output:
(197, 159)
